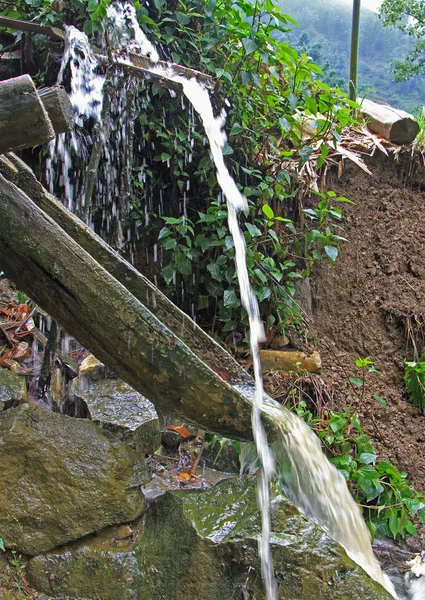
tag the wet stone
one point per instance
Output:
(117, 407)
(202, 545)
(13, 390)
(222, 456)
(62, 478)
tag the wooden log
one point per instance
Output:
(182, 326)
(289, 360)
(59, 107)
(394, 125)
(23, 119)
(20, 25)
(105, 316)
(142, 67)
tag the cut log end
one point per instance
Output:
(58, 106)
(396, 126)
(23, 119)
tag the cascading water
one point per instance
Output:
(307, 477)
(86, 96)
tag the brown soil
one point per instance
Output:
(372, 303)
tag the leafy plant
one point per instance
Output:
(270, 85)
(388, 501)
(414, 377)
(408, 16)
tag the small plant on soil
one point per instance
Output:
(388, 501)
(414, 377)
(383, 492)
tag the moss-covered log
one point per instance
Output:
(182, 326)
(176, 365)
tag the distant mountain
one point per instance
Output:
(324, 33)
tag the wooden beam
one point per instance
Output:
(152, 354)
(21, 25)
(59, 107)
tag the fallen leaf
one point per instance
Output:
(178, 429)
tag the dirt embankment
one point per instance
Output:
(372, 303)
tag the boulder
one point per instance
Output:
(115, 406)
(62, 478)
(202, 544)
(13, 389)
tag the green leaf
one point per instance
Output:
(236, 128)
(366, 458)
(168, 273)
(268, 211)
(380, 400)
(356, 381)
(311, 104)
(92, 5)
(332, 252)
(285, 124)
(2, 545)
(230, 299)
(394, 524)
(203, 302)
(165, 232)
(249, 44)
(170, 243)
(253, 230)
(368, 472)
(215, 270)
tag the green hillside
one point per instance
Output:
(324, 34)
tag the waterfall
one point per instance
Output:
(308, 478)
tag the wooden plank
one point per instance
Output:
(21, 25)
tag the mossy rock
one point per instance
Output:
(13, 390)
(202, 545)
(62, 478)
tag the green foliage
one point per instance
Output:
(383, 492)
(89, 15)
(414, 377)
(324, 34)
(388, 501)
(409, 17)
(2, 545)
(269, 85)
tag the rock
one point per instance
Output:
(93, 369)
(281, 360)
(13, 389)
(117, 407)
(62, 478)
(221, 456)
(303, 296)
(203, 545)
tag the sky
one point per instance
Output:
(372, 4)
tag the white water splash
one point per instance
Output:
(200, 100)
(86, 84)
(125, 32)
(86, 97)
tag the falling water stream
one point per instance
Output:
(307, 477)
